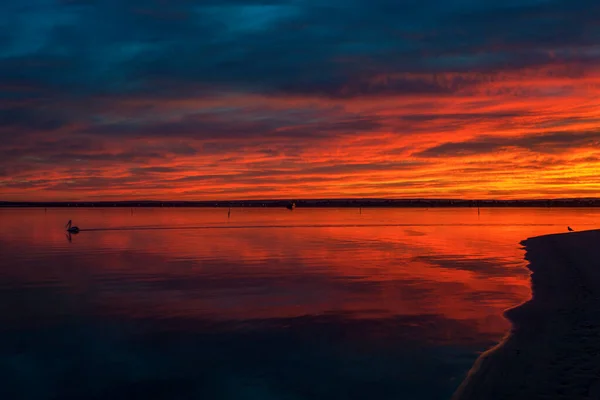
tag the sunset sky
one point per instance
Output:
(224, 99)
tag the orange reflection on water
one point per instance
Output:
(271, 263)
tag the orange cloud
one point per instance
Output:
(527, 133)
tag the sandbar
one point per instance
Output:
(553, 348)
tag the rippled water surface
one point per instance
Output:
(266, 304)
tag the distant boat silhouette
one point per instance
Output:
(570, 229)
(71, 229)
(291, 206)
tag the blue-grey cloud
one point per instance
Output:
(554, 142)
(83, 47)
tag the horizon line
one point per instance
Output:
(296, 199)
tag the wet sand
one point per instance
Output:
(553, 349)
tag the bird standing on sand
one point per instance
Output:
(570, 229)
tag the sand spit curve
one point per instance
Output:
(553, 349)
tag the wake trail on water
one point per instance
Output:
(271, 226)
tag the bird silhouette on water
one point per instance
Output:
(70, 228)
(570, 229)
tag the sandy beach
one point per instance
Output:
(553, 349)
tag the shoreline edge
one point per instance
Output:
(553, 348)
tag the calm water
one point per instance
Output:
(270, 304)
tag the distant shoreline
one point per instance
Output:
(316, 203)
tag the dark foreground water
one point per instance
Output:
(268, 304)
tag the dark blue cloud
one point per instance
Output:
(85, 47)
(551, 142)
(28, 118)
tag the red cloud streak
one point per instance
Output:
(516, 134)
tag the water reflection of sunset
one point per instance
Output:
(402, 297)
(277, 264)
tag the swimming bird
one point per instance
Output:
(570, 229)
(71, 229)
